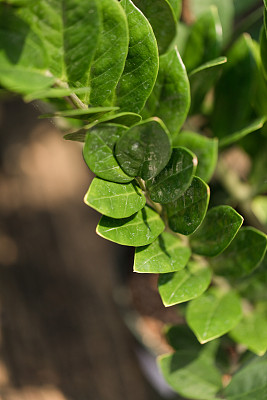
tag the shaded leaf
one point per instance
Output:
(187, 212)
(243, 255)
(161, 16)
(170, 98)
(263, 48)
(204, 148)
(181, 286)
(259, 207)
(144, 149)
(124, 118)
(98, 153)
(180, 337)
(141, 67)
(86, 114)
(213, 314)
(166, 254)
(234, 137)
(138, 230)
(218, 229)
(54, 93)
(175, 178)
(114, 199)
(207, 65)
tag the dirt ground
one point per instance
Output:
(61, 335)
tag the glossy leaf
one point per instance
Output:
(175, 178)
(144, 149)
(166, 254)
(218, 229)
(243, 255)
(141, 67)
(251, 332)
(161, 16)
(170, 98)
(111, 52)
(234, 137)
(181, 286)
(138, 230)
(190, 376)
(98, 153)
(114, 199)
(249, 382)
(204, 41)
(187, 212)
(213, 314)
(206, 150)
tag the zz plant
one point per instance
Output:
(157, 100)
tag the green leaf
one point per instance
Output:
(208, 65)
(187, 212)
(251, 332)
(234, 137)
(144, 149)
(190, 376)
(54, 93)
(204, 41)
(175, 178)
(161, 16)
(111, 52)
(114, 199)
(98, 153)
(243, 255)
(204, 148)
(259, 208)
(138, 230)
(87, 114)
(141, 67)
(180, 337)
(124, 118)
(213, 314)
(166, 254)
(181, 286)
(70, 30)
(263, 48)
(218, 229)
(249, 382)
(170, 98)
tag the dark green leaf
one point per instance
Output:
(170, 98)
(166, 254)
(141, 67)
(250, 382)
(209, 64)
(263, 50)
(114, 199)
(175, 178)
(218, 229)
(124, 118)
(144, 149)
(138, 230)
(98, 153)
(87, 114)
(213, 314)
(234, 137)
(187, 212)
(204, 41)
(180, 337)
(243, 255)
(206, 150)
(162, 19)
(181, 286)
(251, 332)
(111, 52)
(176, 6)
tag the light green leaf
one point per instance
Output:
(250, 382)
(175, 178)
(138, 230)
(243, 255)
(111, 52)
(218, 229)
(234, 137)
(181, 286)
(54, 93)
(204, 148)
(251, 332)
(204, 41)
(190, 376)
(207, 65)
(161, 16)
(259, 207)
(170, 98)
(166, 254)
(87, 114)
(213, 314)
(144, 149)
(114, 199)
(98, 153)
(187, 212)
(141, 67)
